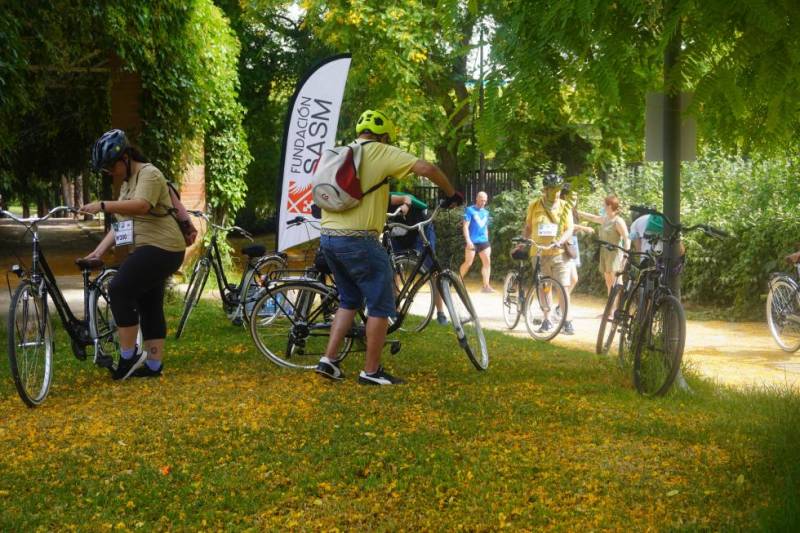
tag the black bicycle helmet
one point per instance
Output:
(552, 180)
(108, 148)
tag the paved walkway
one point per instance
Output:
(735, 353)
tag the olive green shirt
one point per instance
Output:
(156, 228)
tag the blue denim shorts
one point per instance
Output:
(362, 272)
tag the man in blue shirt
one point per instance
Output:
(476, 235)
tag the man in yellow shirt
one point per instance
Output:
(548, 221)
(349, 242)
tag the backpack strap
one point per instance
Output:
(377, 185)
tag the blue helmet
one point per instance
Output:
(108, 148)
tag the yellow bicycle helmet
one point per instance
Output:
(376, 122)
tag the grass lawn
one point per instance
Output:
(546, 438)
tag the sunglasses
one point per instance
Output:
(108, 169)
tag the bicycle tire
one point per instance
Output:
(627, 335)
(511, 299)
(464, 319)
(255, 281)
(193, 292)
(420, 312)
(102, 326)
(537, 309)
(608, 325)
(783, 313)
(296, 333)
(30, 342)
(659, 349)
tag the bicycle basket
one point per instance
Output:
(521, 254)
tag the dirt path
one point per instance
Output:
(741, 353)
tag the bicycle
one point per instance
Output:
(296, 335)
(237, 300)
(623, 300)
(402, 263)
(30, 334)
(519, 285)
(783, 309)
(658, 326)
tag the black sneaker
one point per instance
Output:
(145, 371)
(545, 327)
(329, 369)
(441, 318)
(568, 328)
(379, 377)
(126, 367)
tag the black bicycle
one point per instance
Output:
(30, 331)
(296, 334)
(783, 309)
(657, 326)
(621, 305)
(237, 300)
(545, 313)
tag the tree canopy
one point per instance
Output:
(565, 80)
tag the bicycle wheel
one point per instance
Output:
(541, 317)
(783, 314)
(629, 329)
(255, 281)
(30, 344)
(102, 326)
(608, 326)
(294, 329)
(193, 292)
(464, 319)
(420, 311)
(659, 348)
(511, 299)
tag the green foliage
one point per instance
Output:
(409, 59)
(186, 56)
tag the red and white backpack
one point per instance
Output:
(336, 186)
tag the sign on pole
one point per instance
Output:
(310, 128)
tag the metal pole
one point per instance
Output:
(482, 166)
(672, 138)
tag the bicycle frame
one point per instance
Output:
(43, 279)
(414, 283)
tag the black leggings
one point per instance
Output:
(137, 291)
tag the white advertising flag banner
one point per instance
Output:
(310, 128)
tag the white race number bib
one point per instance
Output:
(123, 233)
(548, 229)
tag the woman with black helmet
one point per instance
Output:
(158, 246)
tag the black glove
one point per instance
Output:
(453, 201)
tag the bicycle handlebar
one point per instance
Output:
(35, 220)
(419, 225)
(199, 214)
(705, 228)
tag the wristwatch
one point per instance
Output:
(103, 207)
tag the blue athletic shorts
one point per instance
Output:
(362, 273)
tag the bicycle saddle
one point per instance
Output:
(254, 250)
(89, 264)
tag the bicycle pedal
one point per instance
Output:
(104, 361)
(79, 351)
